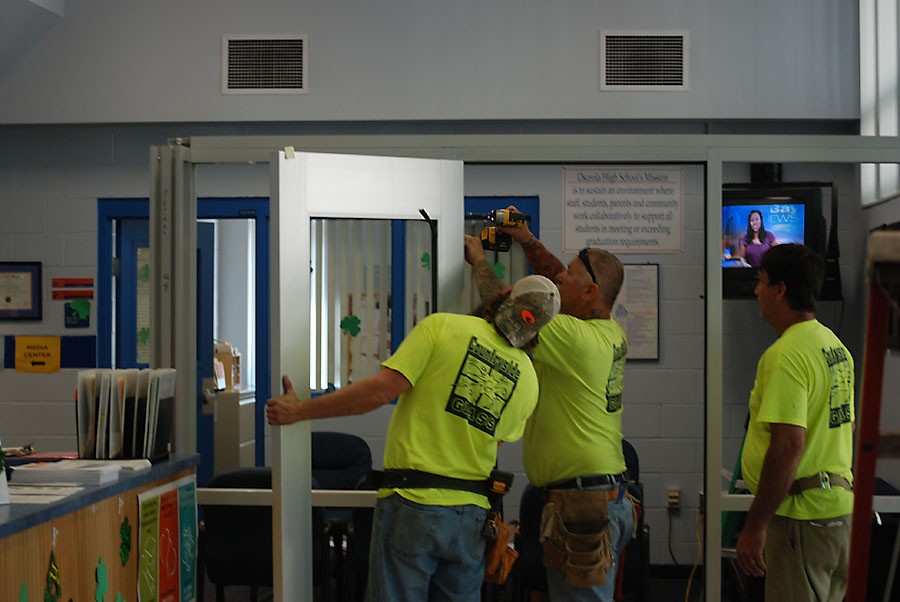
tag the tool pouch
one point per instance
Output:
(575, 535)
(499, 556)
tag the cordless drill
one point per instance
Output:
(492, 239)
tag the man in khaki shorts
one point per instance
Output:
(799, 446)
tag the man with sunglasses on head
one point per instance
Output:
(573, 440)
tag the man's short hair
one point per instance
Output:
(610, 274)
(801, 269)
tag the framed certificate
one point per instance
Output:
(20, 290)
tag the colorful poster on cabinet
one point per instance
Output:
(187, 525)
(149, 549)
(168, 529)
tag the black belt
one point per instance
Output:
(592, 480)
(403, 478)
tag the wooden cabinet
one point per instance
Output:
(81, 530)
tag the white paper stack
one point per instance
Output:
(67, 471)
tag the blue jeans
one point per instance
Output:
(621, 525)
(419, 553)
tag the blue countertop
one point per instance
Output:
(18, 517)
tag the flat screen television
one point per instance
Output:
(756, 217)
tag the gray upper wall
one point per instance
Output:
(152, 61)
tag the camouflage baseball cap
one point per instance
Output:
(532, 303)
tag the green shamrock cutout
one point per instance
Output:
(143, 336)
(144, 274)
(500, 270)
(426, 260)
(102, 584)
(23, 593)
(125, 538)
(350, 325)
(81, 308)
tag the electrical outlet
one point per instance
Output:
(673, 497)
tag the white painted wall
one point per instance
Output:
(107, 61)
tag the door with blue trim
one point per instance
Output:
(119, 345)
(132, 315)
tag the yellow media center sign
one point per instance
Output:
(37, 354)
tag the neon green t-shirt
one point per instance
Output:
(806, 379)
(471, 390)
(576, 428)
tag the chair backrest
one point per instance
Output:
(633, 467)
(632, 463)
(340, 460)
(237, 540)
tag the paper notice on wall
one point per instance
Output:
(624, 209)
(637, 311)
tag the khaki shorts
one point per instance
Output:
(807, 559)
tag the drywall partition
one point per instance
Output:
(302, 186)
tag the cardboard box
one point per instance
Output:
(231, 360)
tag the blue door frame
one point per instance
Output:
(109, 210)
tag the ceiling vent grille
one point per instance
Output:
(643, 60)
(264, 64)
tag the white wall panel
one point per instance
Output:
(451, 61)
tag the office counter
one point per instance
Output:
(81, 531)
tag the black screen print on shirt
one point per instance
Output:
(484, 385)
(841, 386)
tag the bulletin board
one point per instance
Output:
(637, 310)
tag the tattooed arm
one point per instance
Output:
(487, 282)
(542, 261)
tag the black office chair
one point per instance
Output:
(235, 543)
(530, 576)
(344, 461)
(634, 570)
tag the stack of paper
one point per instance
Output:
(125, 413)
(67, 471)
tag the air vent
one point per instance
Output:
(643, 60)
(264, 64)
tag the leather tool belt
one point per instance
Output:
(823, 480)
(575, 534)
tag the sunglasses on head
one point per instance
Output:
(583, 256)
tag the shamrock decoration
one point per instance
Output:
(426, 260)
(81, 308)
(23, 593)
(143, 336)
(144, 273)
(500, 270)
(125, 537)
(102, 584)
(350, 325)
